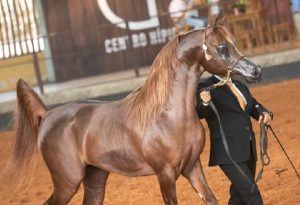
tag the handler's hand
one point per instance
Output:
(205, 96)
(265, 118)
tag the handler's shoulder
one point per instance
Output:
(241, 83)
(205, 83)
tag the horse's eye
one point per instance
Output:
(223, 49)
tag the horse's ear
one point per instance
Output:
(180, 37)
(220, 19)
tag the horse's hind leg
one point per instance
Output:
(167, 183)
(94, 185)
(197, 179)
(66, 184)
(62, 193)
(66, 171)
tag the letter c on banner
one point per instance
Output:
(133, 25)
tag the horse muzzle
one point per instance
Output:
(248, 70)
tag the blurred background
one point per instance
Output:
(69, 50)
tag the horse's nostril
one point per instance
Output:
(257, 74)
(257, 71)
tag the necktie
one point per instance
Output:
(237, 94)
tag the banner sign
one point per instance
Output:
(101, 36)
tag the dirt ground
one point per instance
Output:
(279, 185)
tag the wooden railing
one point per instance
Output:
(255, 35)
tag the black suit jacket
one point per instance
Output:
(236, 122)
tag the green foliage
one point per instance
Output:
(240, 5)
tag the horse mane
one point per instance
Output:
(148, 101)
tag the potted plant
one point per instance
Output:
(239, 7)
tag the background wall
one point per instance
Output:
(84, 42)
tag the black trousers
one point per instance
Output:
(241, 192)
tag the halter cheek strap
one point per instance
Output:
(208, 57)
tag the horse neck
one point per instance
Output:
(169, 82)
(183, 90)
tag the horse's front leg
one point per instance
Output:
(167, 183)
(197, 179)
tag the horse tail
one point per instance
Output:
(27, 117)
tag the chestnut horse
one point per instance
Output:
(153, 131)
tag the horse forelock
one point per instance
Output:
(224, 32)
(148, 101)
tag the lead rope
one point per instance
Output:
(264, 146)
(263, 141)
(226, 146)
(287, 156)
(224, 141)
(218, 84)
(222, 82)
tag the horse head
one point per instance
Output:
(214, 50)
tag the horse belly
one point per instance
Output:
(117, 155)
(128, 163)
